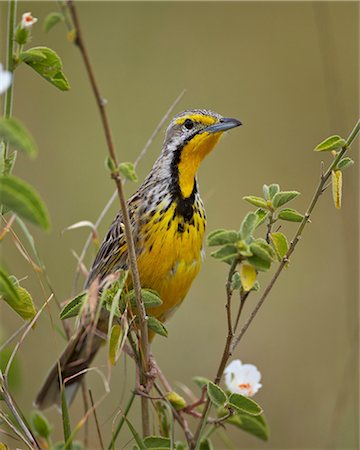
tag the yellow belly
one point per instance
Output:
(171, 257)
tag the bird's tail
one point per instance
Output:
(75, 359)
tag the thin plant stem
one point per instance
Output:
(144, 340)
(10, 60)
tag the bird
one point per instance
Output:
(168, 223)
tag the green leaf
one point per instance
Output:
(151, 299)
(127, 170)
(16, 134)
(291, 215)
(66, 420)
(157, 442)
(156, 326)
(266, 191)
(114, 344)
(135, 434)
(261, 216)
(180, 445)
(216, 394)
(40, 424)
(235, 281)
(255, 425)
(26, 308)
(16, 297)
(73, 307)
(51, 20)
(273, 189)
(248, 226)
(259, 263)
(244, 404)
(262, 250)
(244, 248)
(222, 237)
(49, 66)
(344, 163)
(331, 143)
(247, 276)
(256, 201)
(206, 445)
(21, 198)
(226, 253)
(280, 244)
(201, 381)
(283, 197)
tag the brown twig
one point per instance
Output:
(144, 341)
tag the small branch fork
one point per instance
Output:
(144, 341)
(232, 342)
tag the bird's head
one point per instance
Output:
(190, 136)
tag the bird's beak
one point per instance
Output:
(224, 124)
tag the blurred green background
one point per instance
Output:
(290, 72)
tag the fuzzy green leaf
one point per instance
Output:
(20, 197)
(127, 170)
(17, 297)
(201, 381)
(248, 226)
(156, 326)
(235, 281)
(14, 132)
(151, 299)
(273, 189)
(331, 143)
(344, 163)
(114, 344)
(283, 197)
(244, 404)
(259, 263)
(49, 66)
(73, 307)
(226, 253)
(256, 201)
(216, 394)
(51, 20)
(261, 216)
(222, 237)
(255, 425)
(280, 244)
(266, 191)
(262, 250)
(157, 442)
(291, 215)
(40, 424)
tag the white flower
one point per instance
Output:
(5, 79)
(28, 20)
(242, 378)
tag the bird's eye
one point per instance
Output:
(188, 124)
